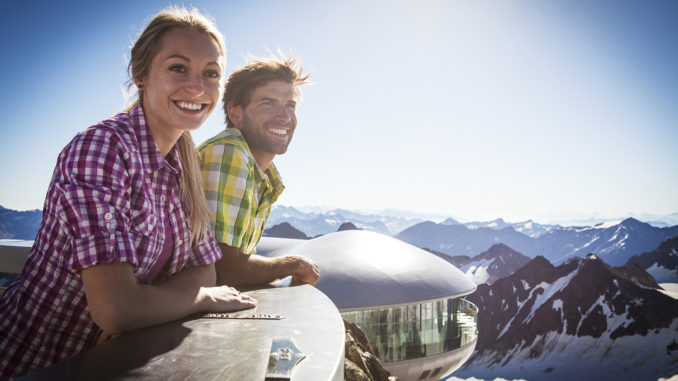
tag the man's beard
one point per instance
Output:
(258, 139)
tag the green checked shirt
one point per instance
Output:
(239, 193)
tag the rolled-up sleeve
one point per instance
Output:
(206, 251)
(92, 182)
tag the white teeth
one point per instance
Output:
(190, 106)
(278, 131)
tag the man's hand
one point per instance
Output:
(304, 270)
(236, 269)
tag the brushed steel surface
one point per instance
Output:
(220, 349)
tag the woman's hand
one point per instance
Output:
(225, 299)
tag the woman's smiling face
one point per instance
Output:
(184, 82)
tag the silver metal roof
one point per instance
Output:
(361, 269)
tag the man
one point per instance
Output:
(240, 180)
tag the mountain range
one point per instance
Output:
(318, 223)
(615, 242)
(390, 222)
(540, 321)
(19, 224)
(529, 227)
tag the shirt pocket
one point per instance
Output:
(146, 232)
(143, 221)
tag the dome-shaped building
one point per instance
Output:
(407, 300)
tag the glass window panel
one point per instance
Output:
(354, 317)
(399, 314)
(426, 311)
(418, 330)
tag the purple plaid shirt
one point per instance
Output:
(109, 197)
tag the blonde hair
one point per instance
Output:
(257, 73)
(143, 51)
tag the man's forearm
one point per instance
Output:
(236, 269)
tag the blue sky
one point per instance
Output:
(472, 109)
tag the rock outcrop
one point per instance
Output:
(285, 230)
(348, 226)
(361, 364)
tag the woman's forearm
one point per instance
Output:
(118, 303)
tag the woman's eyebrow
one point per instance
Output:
(182, 57)
(177, 56)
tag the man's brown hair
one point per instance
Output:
(257, 73)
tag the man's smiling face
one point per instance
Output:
(269, 120)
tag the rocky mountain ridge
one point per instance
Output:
(497, 262)
(661, 263)
(610, 321)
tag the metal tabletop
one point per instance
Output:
(220, 349)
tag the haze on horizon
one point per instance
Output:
(470, 109)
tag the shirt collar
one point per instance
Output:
(275, 182)
(150, 154)
(271, 174)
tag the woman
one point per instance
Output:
(124, 242)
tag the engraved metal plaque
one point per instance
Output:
(283, 358)
(221, 315)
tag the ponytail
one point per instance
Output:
(192, 193)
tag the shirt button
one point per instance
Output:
(180, 241)
(162, 198)
(108, 216)
(171, 206)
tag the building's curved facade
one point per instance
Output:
(407, 300)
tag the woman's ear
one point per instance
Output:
(139, 83)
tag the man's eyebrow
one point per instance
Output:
(266, 98)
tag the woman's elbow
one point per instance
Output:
(111, 320)
(112, 293)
